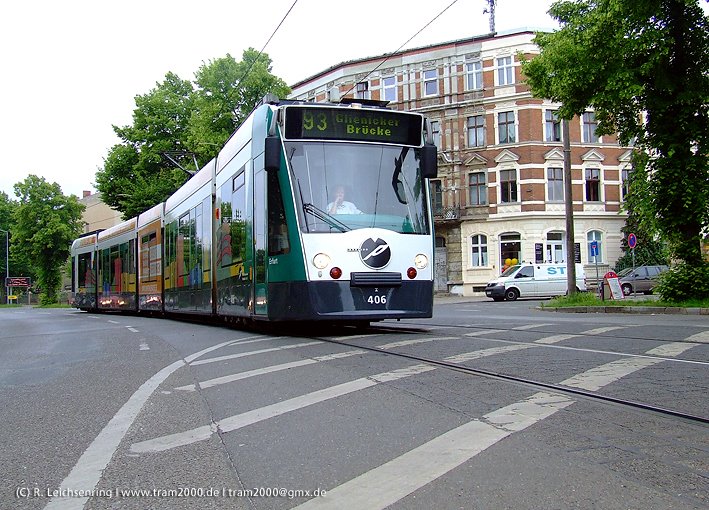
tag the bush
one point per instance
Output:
(684, 282)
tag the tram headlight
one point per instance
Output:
(321, 261)
(421, 261)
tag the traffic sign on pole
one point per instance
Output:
(632, 241)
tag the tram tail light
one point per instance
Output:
(411, 273)
(335, 273)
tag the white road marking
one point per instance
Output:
(404, 343)
(671, 350)
(132, 329)
(144, 346)
(485, 332)
(531, 326)
(554, 339)
(468, 356)
(267, 370)
(86, 474)
(113, 322)
(263, 413)
(252, 353)
(700, 338)
(600, 331)
(386, 484)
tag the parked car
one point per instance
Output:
(641, 279)
(533, 280)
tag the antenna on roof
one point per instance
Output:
(491, 10)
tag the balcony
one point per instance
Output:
(450, 213)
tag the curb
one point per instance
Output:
(650, 310)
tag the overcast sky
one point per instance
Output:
(72, 68)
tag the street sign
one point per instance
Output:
(18, 281)
(632, 241)
(594, 248)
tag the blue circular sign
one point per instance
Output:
(632, 240)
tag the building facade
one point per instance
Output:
(97, 215)
(499, 196)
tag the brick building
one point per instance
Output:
(499, 192)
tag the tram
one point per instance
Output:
(310, 212)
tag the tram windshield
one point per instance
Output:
(346, 186)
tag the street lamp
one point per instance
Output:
(7, 262)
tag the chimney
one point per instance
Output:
(87, 193)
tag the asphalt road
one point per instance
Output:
(114, 411)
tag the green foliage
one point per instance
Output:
(642, 66)
(18, 265)
(45, 223)
(177, 115)
(136, 175)
(684, 282)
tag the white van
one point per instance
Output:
(533, 280)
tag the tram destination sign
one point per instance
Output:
(385, 126)
(18, 281)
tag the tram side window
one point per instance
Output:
(184, 243)
(86, 270)
(197, 235)
(170, 254)
(278, 243)
(206, 230)
(148, 246)
(238, 217)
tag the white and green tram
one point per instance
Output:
(263, 232)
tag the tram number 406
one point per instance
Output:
(377, 300)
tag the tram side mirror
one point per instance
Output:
(272, 154)
(429, 161)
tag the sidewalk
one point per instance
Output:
(441, 299)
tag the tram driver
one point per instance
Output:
(341, 206)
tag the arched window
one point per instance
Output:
(478, 253)
(595, 235)
(555, 252)
(510, 248)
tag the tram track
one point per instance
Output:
(425, 328)
(531, 383)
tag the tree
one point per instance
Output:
(45, 224)
(642, 66)
(18, 265)
(174, 116)
(227, 92)
(136, 176)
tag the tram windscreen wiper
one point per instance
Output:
(323, 216)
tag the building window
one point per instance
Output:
(510, 250)
(552, 126)
(476, 131)
(508, 186)
(593, 185)
(436, 132)
(362, 90)
(589, 127)
(506, 127)
(478, 254)
(555, 184)
(555, 247)
(505, 71)
(595, 235)
(389, 89)
(474, 76)
(437, 197)
(624, 182)
(430, 82)
(477, 189)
